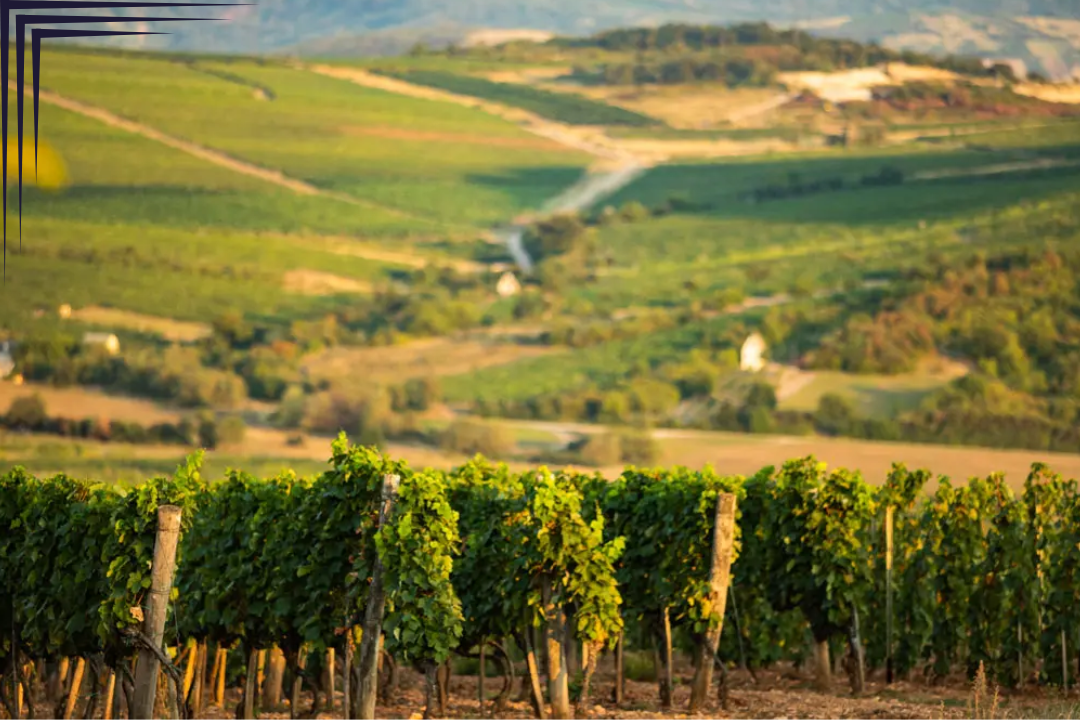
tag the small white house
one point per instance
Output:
(752, 356)
(7, 360)
(508, 285)
(109, 341)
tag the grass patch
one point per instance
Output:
(309, 132)
(562, 107)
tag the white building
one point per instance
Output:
(508, 285)
(7, 360)
(752, 356)
(110, 342)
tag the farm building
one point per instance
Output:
(7, 360)
(752, 355)
(508, 285)
(109, 341)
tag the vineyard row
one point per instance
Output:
(372, 564)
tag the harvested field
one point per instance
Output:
(394, 133)
(86, 402)
(1067, 94)
(405, 258)
(686, 108)
(175, 330)
(746, 454)
(497, 36)
(438, 357)
(313, 282)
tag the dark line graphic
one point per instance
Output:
(6, 7)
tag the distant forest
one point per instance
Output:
(743, 55)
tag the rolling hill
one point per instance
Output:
(1042, 34)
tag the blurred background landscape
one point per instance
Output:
(647, 232)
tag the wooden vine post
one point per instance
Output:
(161, 581)
(331, 669)
(373, 616)
(888, 595)
(199, 688)
(620, 672)
(16, 684)
(346, 677)
(483, 671)
(251, 682)
(555, 640)
(219, 680)
(76, 686)
(110, 693)
(719, 581)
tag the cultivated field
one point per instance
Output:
(420, 358)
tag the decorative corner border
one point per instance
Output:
(21, 23)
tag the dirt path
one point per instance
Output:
(203, 153)
(606, 178)
(591, 142)
(998, 169)
(761, 108)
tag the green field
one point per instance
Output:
(414, 164)
(155, 230)
(600, 367)
(563, 107)
(876, 396)
(152, 229)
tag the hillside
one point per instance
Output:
(1041, 34)
(335, 255)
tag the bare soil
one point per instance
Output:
(783, 693)
(175, 330)
(397, 133)
(421, 358)
(313, 282)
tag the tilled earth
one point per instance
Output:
(785, 694)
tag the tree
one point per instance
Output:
(422, 393)
(231, 430)
(27, 412)
(473, 437)
(834, 415)
(208, 433)
(602, 450)
(639, 448)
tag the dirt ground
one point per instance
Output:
(313, 282)
(777, 694)
(420, 358)
(175, 330)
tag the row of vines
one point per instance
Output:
(543, 572)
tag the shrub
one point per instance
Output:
(473, 437)
(639, 449)
(208, 433)
(27, 412)
(231, 430)
(602, 450)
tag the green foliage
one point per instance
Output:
(418, 545)
(26, 412)
(478, 437)
(564, 107)
(791, 49)
(979, 575)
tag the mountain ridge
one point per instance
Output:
(995, 29)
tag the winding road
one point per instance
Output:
(616, 167)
